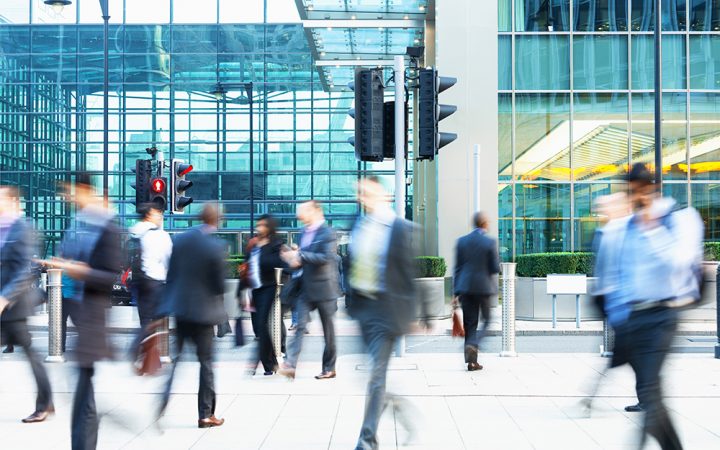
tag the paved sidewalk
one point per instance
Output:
(529, 402)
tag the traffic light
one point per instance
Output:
(430, 113)
(389, 130)
(368, 114)
(143, 176)
(158, 192)
(178, 186)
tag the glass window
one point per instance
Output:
(282, 11)
(673, 64)
(705, 62)
(143, 11)
(542, 63)
(600, 62)
(504, 136)
(542, 15)
(504, 63)
(600, 135)
(586, 219)
(706, 199)
(42, 13)
(15, 11)
(505, 221)
(504, 15)
(190, 11)
(542, 218)
(249, 11)
(704, 136)
(90, 11)
(601, 15)
(643, 15)
(705, 15)
(542, 136)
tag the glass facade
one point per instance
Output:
(576, 108)
(166, 59)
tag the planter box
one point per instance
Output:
(434, 297)
(532, 302)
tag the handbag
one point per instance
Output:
(148, 362)
(457, 323)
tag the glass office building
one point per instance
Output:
(178, 77)
(576, 107)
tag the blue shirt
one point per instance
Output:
(369, 246)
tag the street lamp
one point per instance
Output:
(58, 5)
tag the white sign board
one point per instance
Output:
(574, 284)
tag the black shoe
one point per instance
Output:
(634, 408)
(9, 349)
(471, 354)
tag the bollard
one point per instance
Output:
(43, 287)
(717, 322)
(276, 315)
(54, 287)
(608, 340)
(508, 309)
(164, 343)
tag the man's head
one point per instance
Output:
(151, 212)
(480, 220)
(81, 191)
(371, 194)
(9, 201)
(642, 186)
(211, 215)
(310, 212)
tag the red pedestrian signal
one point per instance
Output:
(158, 185)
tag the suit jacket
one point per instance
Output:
(395, 309)
(15, 274)
(196, 279)
(320, 273)
(476, 261)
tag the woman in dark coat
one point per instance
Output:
(263, 258)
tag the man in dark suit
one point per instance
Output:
(476, 264)
(194, 295)
(16, 301)
(320, 287)
(92, 257)
(381, 292)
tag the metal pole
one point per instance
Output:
(106, 82)
(717, 300)
(400, 131)
(608, 340)
(658, 93)
(508, 309)
(164, 344)
(476, 178)
(249, 90)
(43, 286)
(276, 316)
(55, 352)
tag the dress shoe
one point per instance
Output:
(287, 372)
(267, 373)
(326, 375)
(635, 408)
(9, 349)
(39, 416)
(471, 354)
(473, 366)
(210, 422)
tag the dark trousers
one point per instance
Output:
(283, 329)
(472, 306)
(16, 333)
(651, 332)
(327, 310)
(69, 310)
(149, 293)
(264, 298)
(85, 422)
(202, 337)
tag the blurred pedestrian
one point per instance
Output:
(92, 257)
(476, 264)
(381, 293)
(264, 258)
(194, 295)
(648, 265)
(320, 285)
(149, 249)
(17, 243)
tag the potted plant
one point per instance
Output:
(434, 288)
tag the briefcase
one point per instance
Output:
(457, 323)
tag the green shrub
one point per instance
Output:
(541, 264)
(231, 267)
(712, 251)
(431, 266)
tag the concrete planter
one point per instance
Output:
(434, 297)
(532, 302)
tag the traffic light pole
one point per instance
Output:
(400, 154)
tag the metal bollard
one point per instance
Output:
(43, 286)
(276, 315)
(608, 340)
(508, 309)
(54, 286)
(164, 342)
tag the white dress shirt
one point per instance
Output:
(156, 249)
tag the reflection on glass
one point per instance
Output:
(600, 62)
(705, 62)
(705, 15)
(505, 215)
(706, 199)
(676, 191)
(542, 137)
(542, 62)
(504, 136)
(643, 15)
(600, 147)
(504, 15)
(542, 218)
(673, 62)
(586, 218)
(600, 15)
(704, 136)
(542, 15)
(504, 63)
